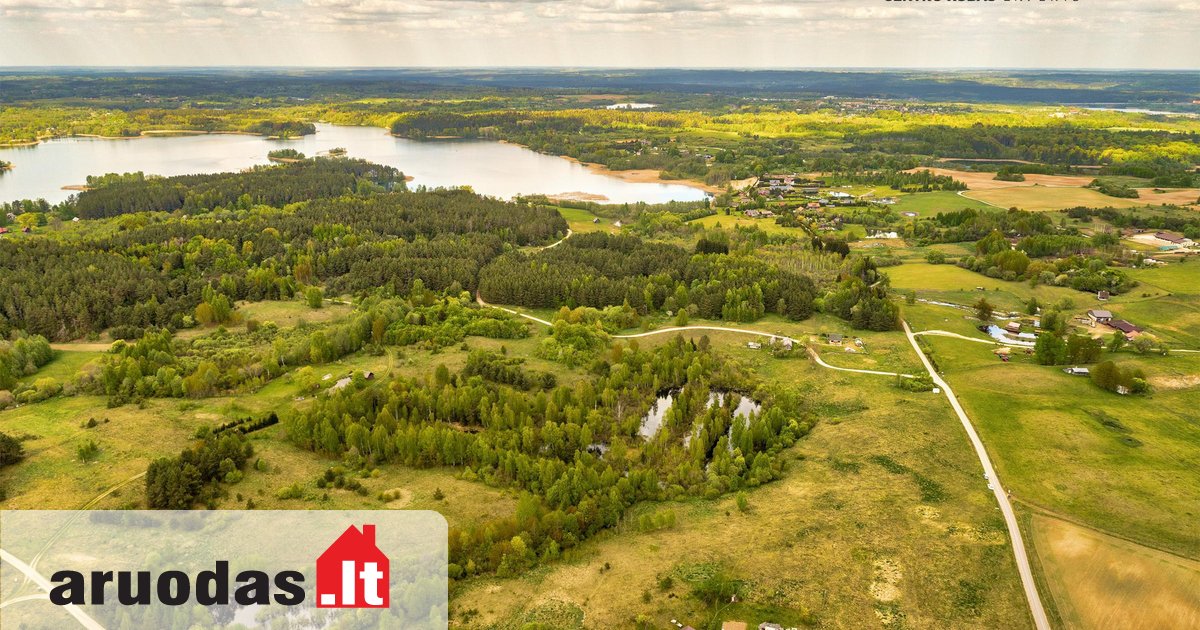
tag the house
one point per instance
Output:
(1013, 327)
(1103, 296)
(369, 375)
(814, 205)
(345, 568)
(3, 230)
(74, 219)
(1077, 371)
(596, 220)
(810, 190)
(1099, 316)
(835, 338)
(733, 625)
(340, 384)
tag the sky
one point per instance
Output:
(1145, 34)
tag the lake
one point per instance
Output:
(490, 168)
(652, 421)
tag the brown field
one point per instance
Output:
(1098, 581)
(1178, 196)
(1047, 198)
(986, 181)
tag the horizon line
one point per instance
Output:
(599, 67)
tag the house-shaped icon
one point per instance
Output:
(353, 572)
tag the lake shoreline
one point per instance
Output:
(635, 176)
(148, 133)
(499, 169)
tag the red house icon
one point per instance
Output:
(353, 572)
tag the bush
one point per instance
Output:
(11, 450)
(87, 451)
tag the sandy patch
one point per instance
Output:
(577, 196)
(1167, 383)
(83, 346)
(885, 587)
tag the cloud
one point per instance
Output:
(1110, 33)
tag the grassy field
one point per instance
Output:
(953, 284)
(582, 221)
(1098, 581)
(1121, 464)
(1167, 302)
(931, 203)
(287, 314)
(1043, 198)
(839, 542)
(130, 437)
(731, 221)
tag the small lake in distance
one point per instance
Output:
(490, 168)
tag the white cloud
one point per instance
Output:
(1103, 33)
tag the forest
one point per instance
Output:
(574, 452)
(599, 270)
(157, 269)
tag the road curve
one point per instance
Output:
(37, 578)
(559, 241)
(1040, 621)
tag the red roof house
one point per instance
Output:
(353, 572)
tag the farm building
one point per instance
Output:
(835, 338)
(1175, 239)
(1077, 371)
(1013, 327)
(1129, 329)
(1103, 296)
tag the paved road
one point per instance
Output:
(1010, 518)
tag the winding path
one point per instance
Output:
(675, 329)
(946, 333)
(32, 575)
(1040, 621)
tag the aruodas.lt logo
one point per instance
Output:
(353, 572)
